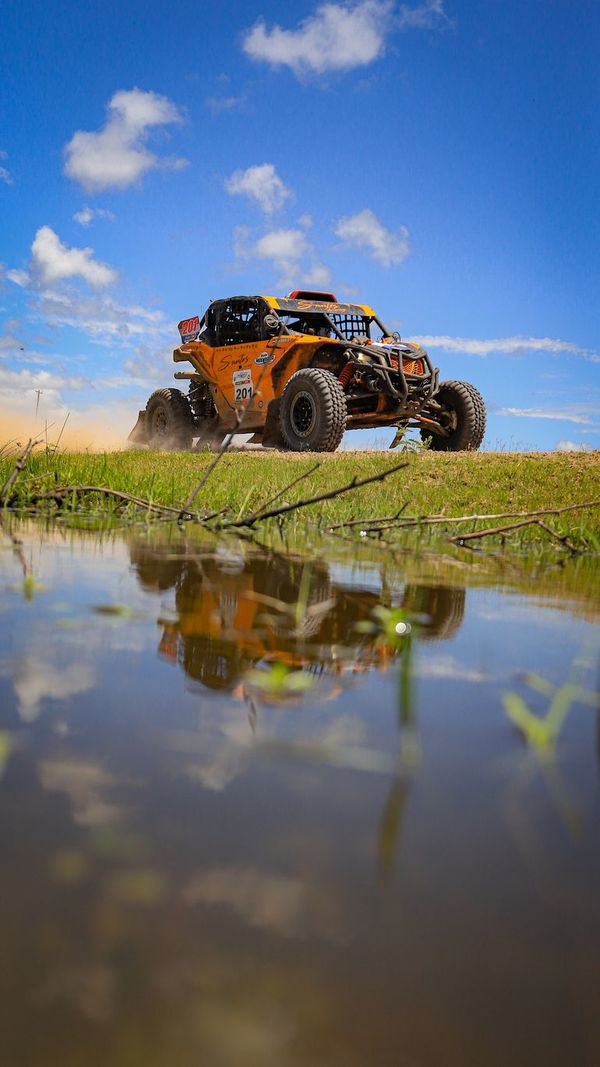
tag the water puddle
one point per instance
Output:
(265, 807)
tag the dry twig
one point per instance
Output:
(461, 538)
(356, 483)
(9, 447)
(14, 474)
(17, 546)
(364, 523)
(239, 419)
(262, 507)
(60, 492)
(62, 430)
(417, 520)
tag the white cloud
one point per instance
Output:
(217, 104)
(88, 786)
(117, 155)
(24, 382)
(282, 246)
(5, 174)
(508, 345)
(35, 681)
(8, 342)
(446, 666)
(149, 363)
(422, 17)
(53, 261)
(290, 253)
(364, 230)
(571, 415)
(573, 446)
(88, 214)
(262, 184)
(337, 37)
(18, 277)
(101, 317)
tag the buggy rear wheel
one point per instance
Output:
(464, 410)
(169, 422)
(313, 411)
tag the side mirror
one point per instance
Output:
(272, 324)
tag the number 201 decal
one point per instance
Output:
(242, 385)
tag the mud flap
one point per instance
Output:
(138, 434)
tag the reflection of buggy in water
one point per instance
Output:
(232, 612)
(438, 609)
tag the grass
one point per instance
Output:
(454, 484)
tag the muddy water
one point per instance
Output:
(258, 808)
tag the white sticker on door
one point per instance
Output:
(242, 385)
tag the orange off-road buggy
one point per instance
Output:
(297, 371)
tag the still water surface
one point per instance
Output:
(385, 849)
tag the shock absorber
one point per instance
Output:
(346, 374)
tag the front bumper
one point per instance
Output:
(407, 390)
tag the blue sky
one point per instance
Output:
(439, 160)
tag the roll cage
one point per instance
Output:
(343, 326)
(240, 319)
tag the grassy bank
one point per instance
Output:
(432, 483)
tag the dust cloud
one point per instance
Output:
(84, 431)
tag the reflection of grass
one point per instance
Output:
(278, 681)
(543, 731)
(28, 587)
(391, 627)
(5, 750)
(117, 611)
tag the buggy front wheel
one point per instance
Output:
(313, 411)
(463, 413)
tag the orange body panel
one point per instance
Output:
(224, 369)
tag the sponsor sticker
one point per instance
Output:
(242, 385)
(264, 358)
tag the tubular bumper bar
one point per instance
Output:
(381, 367)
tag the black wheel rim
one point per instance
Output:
(303, 414)
(450, 421)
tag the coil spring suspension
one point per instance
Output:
(346, 374)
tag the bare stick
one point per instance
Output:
(369, 522)
(356, 483)
(185, 510)
(61, 432)
(271, 500)
(460, 538)
(17, 546)
(9, 447)
(14, 474)
(239, 418)
(429, 519)
(558, 537)
(65, 490)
